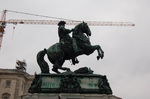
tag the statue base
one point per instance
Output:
(69, 96)
(70, 82)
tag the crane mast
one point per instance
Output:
(2, 26)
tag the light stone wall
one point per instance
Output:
(10, 90)
(20, 82)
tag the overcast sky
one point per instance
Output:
(127, 57)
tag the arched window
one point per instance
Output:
(6, 96)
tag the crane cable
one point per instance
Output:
(41, 15)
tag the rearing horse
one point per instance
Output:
(58, 53)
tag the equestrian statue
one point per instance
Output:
(68, 48)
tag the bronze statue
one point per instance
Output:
(68, 48)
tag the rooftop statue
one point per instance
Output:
(21, 65)
(68, 47)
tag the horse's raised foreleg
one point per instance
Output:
(100, 52)
(90, 49)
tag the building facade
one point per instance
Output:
(14, 83)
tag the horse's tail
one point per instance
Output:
(41, 62)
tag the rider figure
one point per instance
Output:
(64, 37)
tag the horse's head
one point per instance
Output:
(85, 28)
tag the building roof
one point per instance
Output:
(16, 72)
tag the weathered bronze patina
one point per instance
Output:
(70, 82)
(68, 48)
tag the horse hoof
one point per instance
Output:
(98, 57)
(77, 61)
(102, 56)
(55, 70)
(68, 70)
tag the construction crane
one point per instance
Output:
(3, 22)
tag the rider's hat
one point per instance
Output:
(61, 23)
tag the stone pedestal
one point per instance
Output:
(70, 83)
(69, 96)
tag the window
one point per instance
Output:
(6, 96)
(8, 83)
(23, 85)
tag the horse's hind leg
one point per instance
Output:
(58, 65)
(55, 68)
(63, 68)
